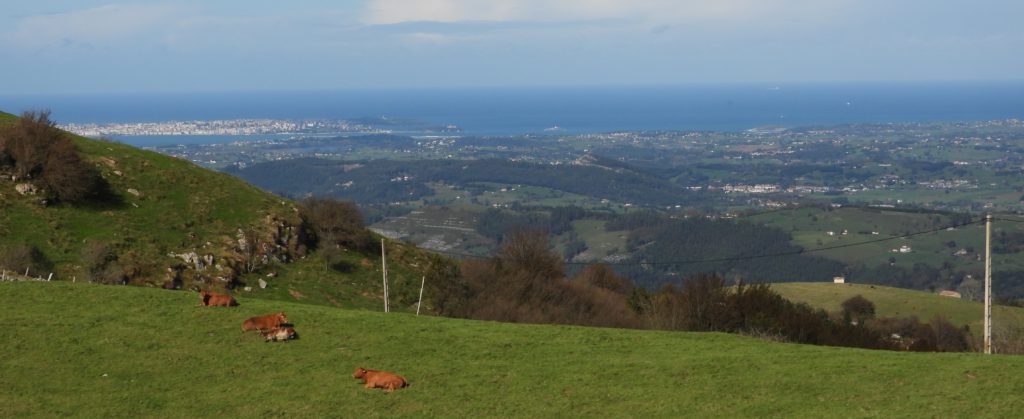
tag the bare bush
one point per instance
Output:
(603, 276)
(38, 150)
(66, 176)
(1008, 338)
(528, 252)
(525, 283)
(949, 338)
(22, 257)
(27, 141)
(338, 223)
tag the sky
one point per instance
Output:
(82, 47)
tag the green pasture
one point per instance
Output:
(810, 227)
(105, 351)
(898, 302)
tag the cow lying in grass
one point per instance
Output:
(213, 299)
(388, 381)
(278, 334)
(266, 322)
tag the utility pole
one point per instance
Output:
(988, 284)
(384, 266)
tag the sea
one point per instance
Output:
(559, 110)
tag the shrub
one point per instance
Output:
(525, 283)
(338, 223)
(20, 257)
(527, 252)
(66, 176)
(603, 276)
(949, 338)
(27, 141)
(38, 150)
(858, 308)
(96, 256)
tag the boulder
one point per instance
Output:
(26, 188)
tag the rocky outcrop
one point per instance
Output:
(26, 188)
(275, 239)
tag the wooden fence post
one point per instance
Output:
(420, 303)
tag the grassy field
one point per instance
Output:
(897, 302)
(105, 351)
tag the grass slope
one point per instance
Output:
(898, 302)
(103, 351)
(171, 205)
(161, 204)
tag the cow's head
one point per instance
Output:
(360, 373)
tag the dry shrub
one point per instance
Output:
(525, 283)
(338, 223)
(527, 252)
(603, 276)
(949, 338)
(1008, 338)
(20, 257)
(39, 151)
(66, 176)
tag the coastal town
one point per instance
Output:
(227, 127)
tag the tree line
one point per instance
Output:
(526, 282)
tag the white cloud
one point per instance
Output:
(95, 27)
(655, 11)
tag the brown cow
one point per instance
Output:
(279, 334)
(212, 299)
(269, 321)
(380, 379)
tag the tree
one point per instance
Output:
(859, 309)
(527, 252)
(603, 276)
(971, 289)
(338, 223)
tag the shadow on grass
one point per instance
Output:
(103, 199)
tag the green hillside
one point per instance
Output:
(161, 209)
(898, 302)
(99, 351)
(810, 228)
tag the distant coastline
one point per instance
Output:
(574, 110)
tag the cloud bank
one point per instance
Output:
(654, 11)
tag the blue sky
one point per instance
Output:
(58, 47)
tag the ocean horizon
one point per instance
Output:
(573, 110)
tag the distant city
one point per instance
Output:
(221, 127)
